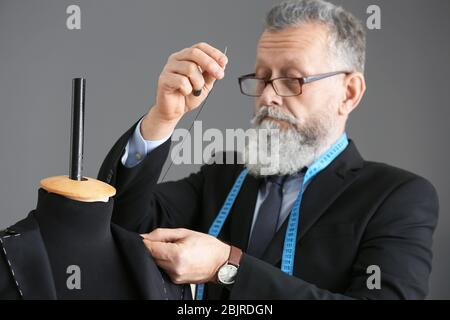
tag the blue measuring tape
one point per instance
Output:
(290, 240)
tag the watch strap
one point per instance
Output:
(235, 256)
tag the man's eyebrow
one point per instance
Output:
(291, 65)
(294, 65)
(287, 69)
(284, 71)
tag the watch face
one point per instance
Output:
(227, 274)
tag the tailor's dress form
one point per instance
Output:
(38, 256)
(79, 234)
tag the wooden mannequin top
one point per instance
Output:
(75, 186)
(86, 190)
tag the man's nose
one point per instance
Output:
(269, 97)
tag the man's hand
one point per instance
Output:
(187, 256)
(186, 71)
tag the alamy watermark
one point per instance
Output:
(73, 281)
(374, 280)
(73, 21)
(373, 22)
(253, 146)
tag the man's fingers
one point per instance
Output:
(166, 265)
(178, 82)
(214, 53)
(206, 62)
(190, 70)
(200, 65)
(160, 250)
(166, 235)
(164, 256)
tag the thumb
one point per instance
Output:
(209, 81)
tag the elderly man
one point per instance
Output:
(324, 224)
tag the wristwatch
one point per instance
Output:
(227, 273)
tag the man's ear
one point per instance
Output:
(354, 86)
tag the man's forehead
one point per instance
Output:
(306, 35)
(287, 59)
(292, 47)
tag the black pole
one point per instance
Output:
(77, 133)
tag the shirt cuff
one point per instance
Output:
(137, 147)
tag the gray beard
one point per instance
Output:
(297, 146)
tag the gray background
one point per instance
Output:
(123, 45)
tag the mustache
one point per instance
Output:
(275, 113)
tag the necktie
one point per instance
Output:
(266, 221)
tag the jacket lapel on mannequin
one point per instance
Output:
(151, 282)
(28, 259)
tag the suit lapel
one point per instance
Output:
(322, 191)
(30, 266)
(138, 261)
(319, 195)
(28, 259)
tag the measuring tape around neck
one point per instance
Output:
(290, 240)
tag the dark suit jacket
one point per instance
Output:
(25, 271)
(354, 214)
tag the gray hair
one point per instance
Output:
(347, 38)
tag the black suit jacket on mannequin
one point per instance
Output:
(354, 214)
(26, 264)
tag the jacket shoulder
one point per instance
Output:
(395, 178)
(383, 169)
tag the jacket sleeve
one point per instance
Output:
(397, 239)
(140, 204)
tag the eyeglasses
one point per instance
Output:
(252, 86)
